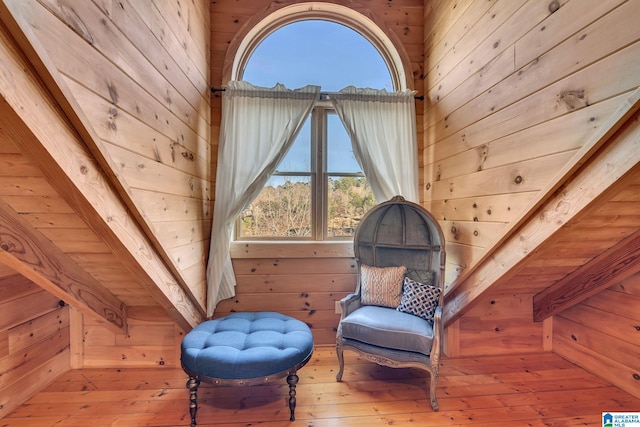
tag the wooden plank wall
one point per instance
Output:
(514, 89)
(299, 280)
(501, 321)
(302, 283)
(34, 339)
(152, 340)
(602, 334)
(139, 73)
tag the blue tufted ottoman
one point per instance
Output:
(245, 349)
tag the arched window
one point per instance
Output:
(318, 191)
(329, 12)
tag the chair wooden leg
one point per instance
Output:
(432, 390)
(340, 360)
(292, 380)
(192, 384)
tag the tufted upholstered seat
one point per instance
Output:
(245, 349)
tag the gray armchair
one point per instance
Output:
(397, 327)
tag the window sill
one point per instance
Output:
(281, 249)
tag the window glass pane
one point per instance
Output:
(298, 158)
(317, 52)
(349, 198)
(340, 156)
(283, 209)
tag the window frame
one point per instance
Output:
(243, 47)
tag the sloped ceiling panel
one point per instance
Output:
(136, 76)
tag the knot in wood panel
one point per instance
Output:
(9, 244)
(113, 94)
(75, 22)
(573, 99)
(113, 317)
(455, 232)
(483, 153)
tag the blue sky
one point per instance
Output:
(322, 53)
(317, 52)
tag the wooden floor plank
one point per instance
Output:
(533, 390)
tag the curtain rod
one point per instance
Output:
(322, 94)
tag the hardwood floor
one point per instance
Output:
(520, 390)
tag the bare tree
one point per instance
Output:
(285, 210)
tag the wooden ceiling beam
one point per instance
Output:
(31, 254)
(611, 266)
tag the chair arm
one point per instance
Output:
(437, 319)
(438, 331)
(348, 304)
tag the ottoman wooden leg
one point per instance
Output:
(192, 384)
(292, 380)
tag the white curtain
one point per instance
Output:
(382, 128)
(258, 127)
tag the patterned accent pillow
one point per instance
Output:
(381, 286)
(419, 299)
